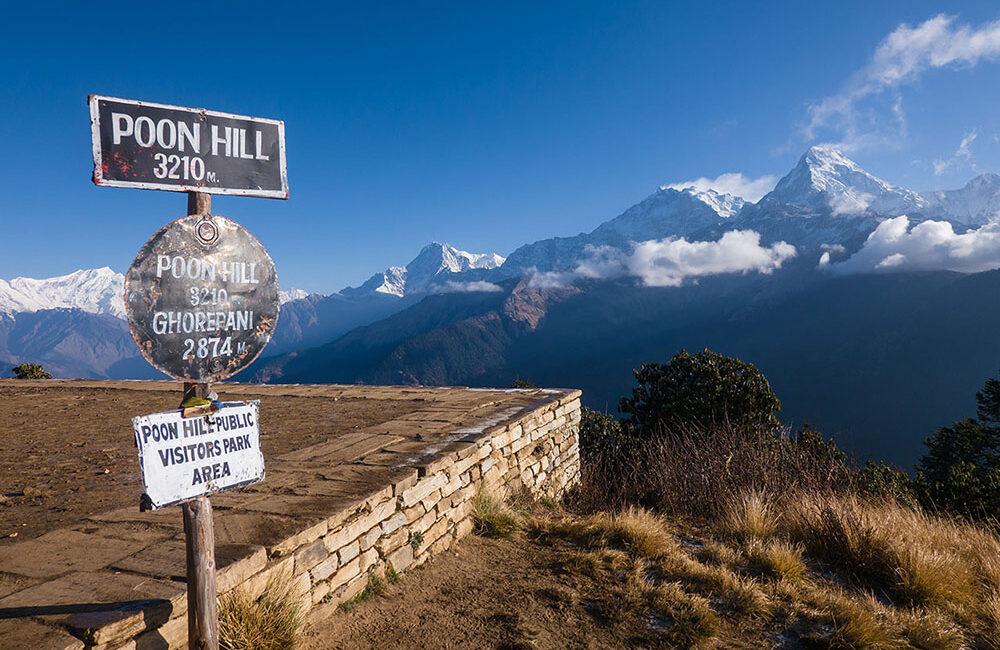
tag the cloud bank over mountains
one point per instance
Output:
(735, 183)
(827, 212)
(927, 246)
(672, 261)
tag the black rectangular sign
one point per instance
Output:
(159, 147)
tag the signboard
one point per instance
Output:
(160, 147)
(183, 458)
(201, 298)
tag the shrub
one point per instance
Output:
(960, 472)
(880, 481)
(701, 391)
(30, 371)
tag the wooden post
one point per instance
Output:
(199, 203)
(199, 530)
(203, 614)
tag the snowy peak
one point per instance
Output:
(292, 294)
(424, 270)
(725, 205)
(99, 291)
(437, 257)
(976, 204)
(669, 212)
(826, 180)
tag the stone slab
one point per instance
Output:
(368, 478)
(99, 607)
(268, 530)
(168, 561)
(344, 448)
(21, 633)
(62, 551)
(10, 583)
(169, 519)
(305, 507)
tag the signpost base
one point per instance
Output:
(203, 615)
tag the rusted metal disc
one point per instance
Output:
(202, 298)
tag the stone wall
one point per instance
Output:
(420, 506)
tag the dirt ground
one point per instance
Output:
(486, 593)
(69, 453)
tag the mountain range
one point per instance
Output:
(870, 307)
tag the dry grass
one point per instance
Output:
(271, 621)
(909, 556)
(634, 529)
(778, 559)
(749, 516)
(493, 518)
(815, 569)
(692, 622)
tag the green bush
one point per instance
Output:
(30, 371)
(960, 472)
(880, 481)
(602, 435)
(700, 391)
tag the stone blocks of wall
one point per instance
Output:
(422, 511)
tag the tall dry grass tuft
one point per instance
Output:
(911, 556)
(271, 621)
(749, 516)
(493, 518)
(777, 558)
(634, 529)
(840, 532)
(693, 624)
(933, 631)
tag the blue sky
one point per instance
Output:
(483, 126)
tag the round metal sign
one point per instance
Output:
(202, 298)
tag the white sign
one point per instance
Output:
(183, 458)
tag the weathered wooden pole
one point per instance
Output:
(199, 531)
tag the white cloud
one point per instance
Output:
(828, 251)
(927, 246)
(480, 286)
(749, 189)
(854, 113)
(670, 262)
(850, 202)
(963, 153)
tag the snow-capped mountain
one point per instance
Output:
(98, 291)
(432, 266)
(825, 180)
(292, 294)
(725, 205)
(826, 202)
(668, 212)
(975, 204)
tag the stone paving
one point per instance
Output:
(326, 517)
